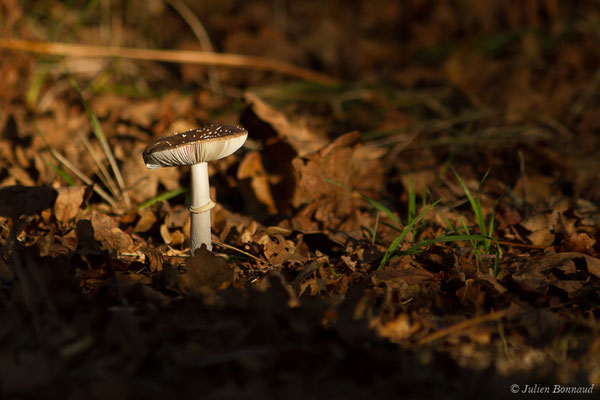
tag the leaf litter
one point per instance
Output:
(423, 229)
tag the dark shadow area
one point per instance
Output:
(25, 200)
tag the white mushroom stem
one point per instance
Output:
(200, 205)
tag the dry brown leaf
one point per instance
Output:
(107, 232)
(177, 238)
(562, 261)
(155, 261)
(349, 263)
(580, 242)
(406, 277)
(542, 237)
(20, 176)
(492, 279)
(278, 250)
(67, 202)
(541, 227)
(569, 286)
(165, 234)
(336, 162)
(147, 220)
(593, 265)
(537, 222)
(302, 139)
(53, 246)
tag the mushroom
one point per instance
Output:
(196, 147)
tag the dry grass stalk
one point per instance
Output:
(175, 56)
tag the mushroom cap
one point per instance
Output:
(211, 142)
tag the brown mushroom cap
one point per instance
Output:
(211, 142)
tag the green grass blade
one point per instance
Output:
(415, 249)
(475, 204)
(480, 219)
(412, 198)
(384, 210)
(62, 173)
(394, 245)
(161, 197)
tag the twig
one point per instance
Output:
(205, 44)
(241, 251)
(461, 326)
(176, 56)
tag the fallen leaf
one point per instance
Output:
(326, 201)
(593, 265)
(562, 261)
(542, 237)
(302, 139)
(579, 242)
(406, 277)
(569, 286)
(165, 234)
(108, 234)
(177, 238)
(278, 250)
(492, 279)
(536, 222)
(349, 263)
(67, 202)
(146, 221)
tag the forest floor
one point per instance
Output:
(415, 213)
